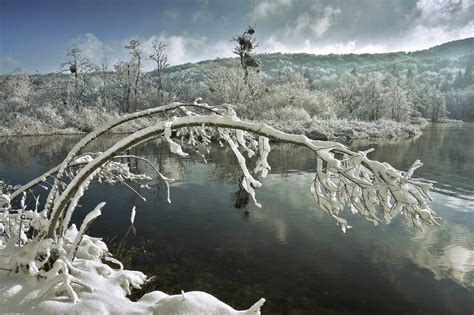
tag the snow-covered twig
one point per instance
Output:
(85, 224)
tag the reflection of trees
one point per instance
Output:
(22, 152)
(224, 168)
(287, 157)
(169, 164)
(283, 158)
(44, 152)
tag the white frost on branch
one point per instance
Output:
(85, 224)
(132, 215)
(248, 182)
(239, 134)
(262, 163)
(174, 147)
(343, 177)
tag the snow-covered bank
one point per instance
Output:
(50, 120)
(53, 120)
(348, 130)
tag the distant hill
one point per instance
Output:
(454, 54)
(453, 49)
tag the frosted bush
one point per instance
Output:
(289, 113)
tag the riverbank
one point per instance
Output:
(57, 121)
(53, 121)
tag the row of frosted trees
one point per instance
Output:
(287, 94)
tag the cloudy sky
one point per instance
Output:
(35, 34)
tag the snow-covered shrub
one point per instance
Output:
(289, 95)
(85, 119)
(289, 113)
(224, 84)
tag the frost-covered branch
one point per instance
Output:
(91, 216)
(343, 177)
(106, 128)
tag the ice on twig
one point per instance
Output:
(132, 215)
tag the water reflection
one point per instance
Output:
(446, 151)
(288, 251)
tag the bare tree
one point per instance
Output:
(226, 84)
(123, 83)
(180, 85)
(134, 70)
(104, 77)
(244, 45)
(81, 68)
(161, 59)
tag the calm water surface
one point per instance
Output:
(288, 251)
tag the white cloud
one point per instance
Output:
(273, 44)
(93, 48)
(433, 22)
(433, 12)
(181, 49)
(266, 8)
(438, 21)
(316, 25)
(422, 36)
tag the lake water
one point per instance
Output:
(288, 251)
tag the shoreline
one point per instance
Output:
(330, 130)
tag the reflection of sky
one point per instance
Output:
(457, 204)
(454, 239)
(447, 251)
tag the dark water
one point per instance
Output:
(288, 251)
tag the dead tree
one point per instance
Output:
(161, 59)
